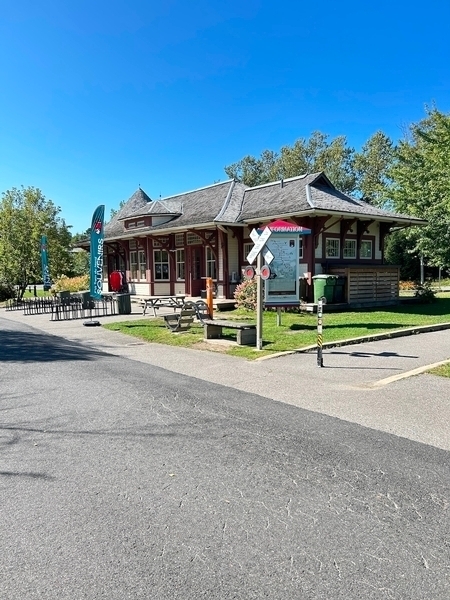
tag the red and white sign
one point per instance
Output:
(265, 272)
(249, 272)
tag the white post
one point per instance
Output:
(259, 303)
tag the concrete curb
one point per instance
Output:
(362, 339)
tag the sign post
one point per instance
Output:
(319, 331)
(256, 252)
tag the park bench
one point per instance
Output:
(181, 321)
(246, 332)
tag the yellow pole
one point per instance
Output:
(209, 296)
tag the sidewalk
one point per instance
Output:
(363, 383)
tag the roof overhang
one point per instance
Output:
(394, 219)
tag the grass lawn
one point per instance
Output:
(443, 370)
(297, 330)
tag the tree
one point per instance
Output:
(372, 167)
(305, 156)
(421, 185)
(26, 215)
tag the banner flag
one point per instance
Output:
(44, 261)
(97, 235)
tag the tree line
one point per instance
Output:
(411, 177)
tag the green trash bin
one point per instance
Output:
(123, 304)
(324, 286)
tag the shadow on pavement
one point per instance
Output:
(24, 346)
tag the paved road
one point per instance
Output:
(351, 386)
(121, 479)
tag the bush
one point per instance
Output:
(424, 293)
(245, 294)
(6, 292)
(70, 284)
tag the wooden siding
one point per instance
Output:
(369, 284)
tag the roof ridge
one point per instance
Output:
(206, 187)
(262, 185)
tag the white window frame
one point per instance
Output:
(133, 264)
(349, 249)
(161, 265)
(336, 242)
(247, 249)
(369, 242)
(142, 265)
(300, 247)
(210, 261)
(181, 264)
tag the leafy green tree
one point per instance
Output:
(26, 215)
(305, 156)
(421, 185)
(372, 167)
(400, 250)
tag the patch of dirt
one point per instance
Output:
(212, 347)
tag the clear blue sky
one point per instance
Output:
(100, 96)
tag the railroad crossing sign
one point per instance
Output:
(260, 242)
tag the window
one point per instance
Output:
(160, 242)
(193, 239)
(247, 248)
(179, 239)
(210, 263)
(349, 250)
(366, 249)
(332, 248)
(140, 223)
(133, 264)
(180, 263)
(300, 248)
(142, 265)
(161, 264)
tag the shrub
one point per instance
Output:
(6, 292)
(245, 294)
(70, 284)
(424, 292)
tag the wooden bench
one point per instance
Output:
(179, 322)
(246, 333)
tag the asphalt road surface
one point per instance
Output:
(123, 480)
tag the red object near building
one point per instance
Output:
(115, 281)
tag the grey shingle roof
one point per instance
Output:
(137, 201)
(291, 198)
(232, 202)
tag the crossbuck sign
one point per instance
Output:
(260, 242)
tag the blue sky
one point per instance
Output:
(100, 96)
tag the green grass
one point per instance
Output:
(442, 371)
(297, 330)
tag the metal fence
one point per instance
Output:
(61, 309)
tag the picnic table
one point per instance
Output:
(171, 301)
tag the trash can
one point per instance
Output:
(86, 300)
(324, 286)
(339, 290)
(64, 297)
(123, 304)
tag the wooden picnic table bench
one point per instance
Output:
(170, 301)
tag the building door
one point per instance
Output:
(196, 270)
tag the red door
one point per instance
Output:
(196, 270)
